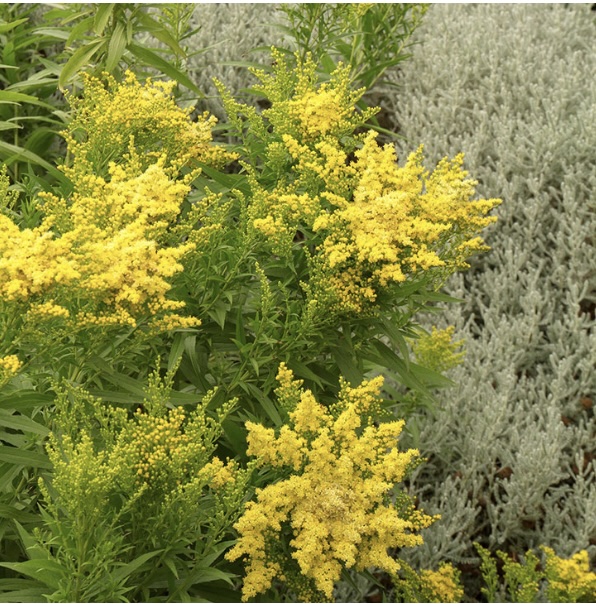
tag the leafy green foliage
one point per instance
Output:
(370, 38)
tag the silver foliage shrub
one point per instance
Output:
(510, 451)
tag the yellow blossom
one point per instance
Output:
(335, 502)
(114, 114)
(9, 365)
(442, 584)
(569, 580)
(437, 351)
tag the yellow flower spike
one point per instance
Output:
(309, 415)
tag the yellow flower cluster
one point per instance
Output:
(9, 365)
(106, 244)
(117, 115)
(81, 472)
(569, 580)
(106, 255)
(159, 450)
(437, 351)
(442, 585)
(400, 220)
(336, 502)
(151, 474)
(302, 109)
(319, 112)
(219, 474)
(371, 223)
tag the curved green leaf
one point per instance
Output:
(79, 59)
(8, 96)
(13, 153)
(5, 27)
(102, 16)
(29, 459)
(116, 47)
(153, 59)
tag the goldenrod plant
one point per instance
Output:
(153, 246)
(137, 506)
(545, 578)
(333, 508)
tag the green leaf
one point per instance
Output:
(25, 399)
(263, 400)
(49, 572)
(23, 457)
(32, 594)
(6, 27)
(102, 16)
(9, 126)
(227, 181)
(430, 377)
(22, 423)
(13, 153)
(160, 32)
(12, 513)
(80, 58)
(177, 349)
(40, 140)
(172, 566)
(153, 59)
(57, 33)
(78, 32)
(33, 549)
(116, 47)
(15, 98)
(126, 570)
(347, 367)
(303, 371)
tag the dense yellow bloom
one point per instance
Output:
(219, 474)
(319, 112)
(9, 366)
(106, 244)
(114, 115)
(371, 223)
(305, 110)
(569, 580)
(442, 584)
(399, 221)
(106, 254)
(336, 501)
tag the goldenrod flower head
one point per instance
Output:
(9, 366)
(569, 580)
(399, 221)
(335, 502)
(305, 110)
(372, 223)
(318, 112)
(116, 117)
(443, 584)
(108, 244)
